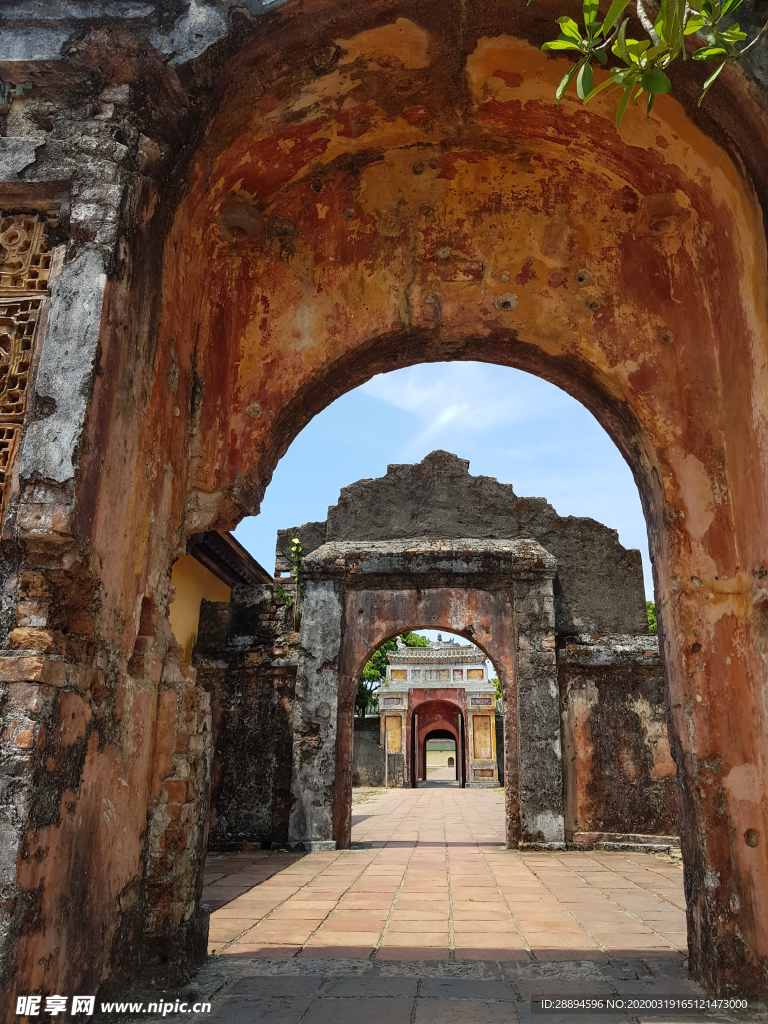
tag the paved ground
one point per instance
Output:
(431, 879)
(430, 919)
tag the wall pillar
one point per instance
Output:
(538, 713)
(315, 722)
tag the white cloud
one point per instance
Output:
(453, 399)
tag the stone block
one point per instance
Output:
(33, 668)
(178, 791)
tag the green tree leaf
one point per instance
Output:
(615, 11)
(733, 35)
(566, 80)
(650, 610)
(562, 44)
(569, 28)
(655, 81)
(623, 103)
(674, 21)
(709, 82)
(591, 9)
(710, 53)
(603, 85)
(654, 52)
(695, 24)
(584, 81)
(729, 6)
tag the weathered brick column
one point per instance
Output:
(538, 713)
(175, 924)
(316, 715)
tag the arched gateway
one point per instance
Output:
(239, 218)
(442, 692)
(497, 593)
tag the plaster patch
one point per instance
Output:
(16, 154)
(66, 364)
(403, 44)
(549, 826)
(192, 34)
(36, 44)
(50, 11)
(696, 489)
(743, 783)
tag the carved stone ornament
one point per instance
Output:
(24, 262)
(24, 272)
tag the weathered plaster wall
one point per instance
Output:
(636, 259)
(368, 756)
(618, 770)
(599, 583)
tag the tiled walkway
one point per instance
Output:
(431, 920)
(442, 775)
(429, 879)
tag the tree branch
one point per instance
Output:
(647, 24)
(613, 33)
(763, 32)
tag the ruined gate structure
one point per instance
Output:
(565, 627)
(358, 594)
(586, 752)
(244, 210)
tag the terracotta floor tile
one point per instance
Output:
(400, 925)
(286, 933)
(436, 853)
(412, 953)
(320, 951)
(482, 939)
(415, 938)
(419, 915)
(329, 937)
(352, 924)
(260, 950)
(309, 908)
(490, 953)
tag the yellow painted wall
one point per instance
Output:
(394, 734)
(440, 758)
(192, 582)
(482, 733)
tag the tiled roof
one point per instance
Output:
(438, 650)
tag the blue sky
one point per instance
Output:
(509, 424)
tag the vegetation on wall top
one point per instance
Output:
(640, 65)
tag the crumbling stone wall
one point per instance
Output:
(618, 770)
(246, 660)
(599, 584)
(175, 851)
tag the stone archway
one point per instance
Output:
(380, 184)
(496, 593)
